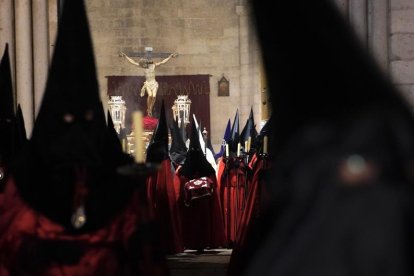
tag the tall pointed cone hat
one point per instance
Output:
(351, 105)
(344, 79)
(113, 135)
(253, 131)
(20, 136)
(71, 99)
(249, 129)
(196, 164)
(6, 108)
(234, 133)
(178, 149)
(183, 131)
(257, 143)
(226, 139)
(157, 150)
(69, 143)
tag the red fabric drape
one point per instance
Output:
(163, 200)
(101, 250)
(202, 221)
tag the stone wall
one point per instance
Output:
(402, 46)
(389, 33)
(212, 37)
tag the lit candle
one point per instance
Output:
(238, 149)
(139, 146)
(265, 144)
(249, 143)
(227, 150)
(124, 148)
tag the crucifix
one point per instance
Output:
(150, 85)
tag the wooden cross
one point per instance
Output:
(145, 54)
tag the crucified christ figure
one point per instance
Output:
(150, 85)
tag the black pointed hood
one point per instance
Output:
(249, 129)
(70, 141)
(112, 134)
(351, 111)
(72, 86)
(257, 143)
(178, 149)
(183, 131)
(234, 133)
(157, 150)
(226, 139)
(20, 136)
(196, 164)
(6, 109)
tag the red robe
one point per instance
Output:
(254, 201)
(255, 204)
(161, 196)
(232, 195)
(102, 251)
(202, 220)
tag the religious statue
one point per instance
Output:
(150, 85)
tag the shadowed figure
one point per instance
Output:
(342, 153)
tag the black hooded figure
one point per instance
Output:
(249, 131)
(66, 211)
(157, 150)
(234, 134)
(69, 138)
(200, 207)
(6, 116)
(343, 152)
(19, 132)
(178, 149)
(161, 194)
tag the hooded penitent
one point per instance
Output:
(70, 142)
(234, 134)
(249, 129)
(208, 153)
(196, 164)
(161, 195)
(265, 131)
(226, 139)
(178, 149)
(20, 136)
(6, 115)
(157, 150)
(65, 210)
(342, 153)
(113, 135)
(199, 202)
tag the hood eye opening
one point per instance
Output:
(68, 118)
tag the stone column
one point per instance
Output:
(358, 17)
(40, 49)
(24, 60)
(379, 27)
(7, 29)
(53, 25)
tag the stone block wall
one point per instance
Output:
(402, 46)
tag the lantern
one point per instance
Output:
(181, 109)
(117, 109)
